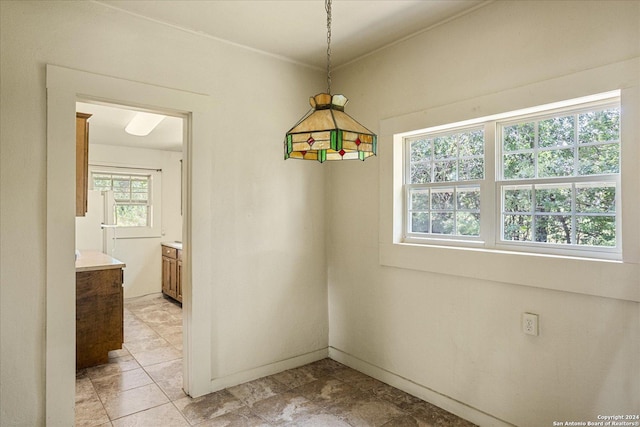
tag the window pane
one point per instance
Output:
(442, 199)
(444, 146)
(553, 199)
(420, 222)
(444, 171)
(555, 163)
(553, 229)
(121, 184)
(121, 197)
(517, 228)
(471, 169)
(599, 159)
(556, 132)
(519, 165)
(131, 215)
(517, 199)
(442, 223)
(420, 199)
(596, 198)
(420, 150)
(596, 230)
(468, 224)
(599, 126)
(420, 173)
(139, 197)
(468, 199)
(471, 143)
(519, 137)
(139, 185)
(102, 183)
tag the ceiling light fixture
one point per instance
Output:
(326, 132)
(143, 123)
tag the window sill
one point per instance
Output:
(602, 278)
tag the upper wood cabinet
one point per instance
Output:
(82, 162)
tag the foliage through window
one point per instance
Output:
(556, 183)
(571, 150)
(131, 194)
(443, 175)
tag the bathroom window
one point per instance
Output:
(131, 199)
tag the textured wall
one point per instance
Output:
(457, 337)
(265, 253)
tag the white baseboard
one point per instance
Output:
(266, 370)
(442, 401)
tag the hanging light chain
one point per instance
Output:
(327, 6)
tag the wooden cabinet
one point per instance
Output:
(82, 162)
(172, 272)
(99, 315)
(179, 276)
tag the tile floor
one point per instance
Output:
(141, 386)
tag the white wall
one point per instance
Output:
(453, 340)
(265, 253)
(143, 274)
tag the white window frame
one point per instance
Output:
(154, 228)
(491, 187)
(434, 237)
(589, 276)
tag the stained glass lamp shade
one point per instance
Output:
(326, 132)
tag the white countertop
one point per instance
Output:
(94, 260)
(174, 245)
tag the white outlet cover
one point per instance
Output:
(530, 323)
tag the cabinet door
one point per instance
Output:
(179, 281)
(169, 276)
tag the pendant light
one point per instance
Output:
(326, 132)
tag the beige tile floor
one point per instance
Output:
(141, 386)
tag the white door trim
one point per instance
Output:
(64, 87)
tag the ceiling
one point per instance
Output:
(293, 30)
(107, 123)
(297, 29)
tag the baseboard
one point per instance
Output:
(266, 370)
(445, 402)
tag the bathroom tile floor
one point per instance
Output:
(141, 386)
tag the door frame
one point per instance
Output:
(64, 87)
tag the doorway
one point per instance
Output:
(134, 191)
(64, 88)
(133, 212)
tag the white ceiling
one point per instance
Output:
(294, 30)
(107, 123)
(297, 29)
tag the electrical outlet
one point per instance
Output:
(530, 323)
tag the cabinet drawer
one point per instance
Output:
(169, 252)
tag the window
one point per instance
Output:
(443, 191)
(132, 199)
(567, 169)
(546, 182)
(131, 196)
